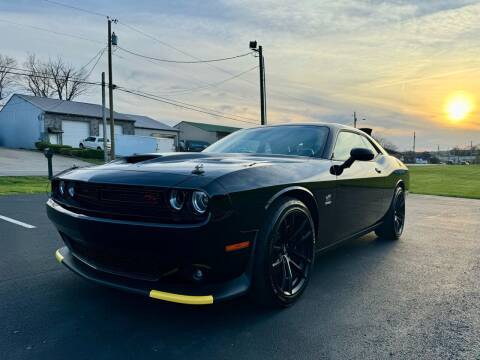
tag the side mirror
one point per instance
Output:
(361, 154)
(356, 154)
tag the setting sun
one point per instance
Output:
(458, 106)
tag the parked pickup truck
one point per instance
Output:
(93, 142)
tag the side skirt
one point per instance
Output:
(342, 241)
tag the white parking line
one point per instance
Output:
(13, 221)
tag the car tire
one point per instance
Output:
(284, 254)
(394, 220)
(81, 146)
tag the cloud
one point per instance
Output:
(394, 62)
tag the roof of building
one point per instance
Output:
(68, 107)
(210, 127)
(146, 122)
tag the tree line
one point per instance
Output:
(53, 78)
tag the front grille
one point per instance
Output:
(125, 202)
(115, 263)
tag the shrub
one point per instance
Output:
(42, 145)
(91, 153)
(69, 151)
(65, 151)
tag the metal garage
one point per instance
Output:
(74, 132)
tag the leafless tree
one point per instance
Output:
(54, 78)
(386, 144)
(7, 79)
(38, 81)
(68, 81)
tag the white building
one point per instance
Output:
(26, 119)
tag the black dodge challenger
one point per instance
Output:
(246, 215)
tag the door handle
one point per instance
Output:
(378, 170)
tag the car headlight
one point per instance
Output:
(71, 190)
(200, 201)
(61, 187)
(177, 199)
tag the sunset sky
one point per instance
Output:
(404, 66)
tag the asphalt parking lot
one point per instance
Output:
(415, 298)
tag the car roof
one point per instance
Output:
(336, 126)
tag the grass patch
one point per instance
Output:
(10, 185)
(446, 180)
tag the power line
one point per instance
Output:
(173, 102)
(24, 72)
(51, 31)
(31, 74)
(166, 45)
(215, 84)
(76, 8)
(140, 32)
(184, 105)
(212, 65)
(102, 50)
(190, 78)
(183, 62)
(96, 62)
(188, 104)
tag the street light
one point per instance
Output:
(355, 120)
(261, 64)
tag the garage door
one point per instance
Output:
(165, 144)
(74, 132)
(118, 130)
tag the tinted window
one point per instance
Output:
(90, 138)
(346, 141)
(299, 140)
(369, 145)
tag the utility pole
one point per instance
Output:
(414, 140)
(111, 40)
(104, 121)
(263, 96)
(355, 119)
(263, 102)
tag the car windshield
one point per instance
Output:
(296, 140)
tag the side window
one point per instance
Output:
(346, 141)
(369, 145)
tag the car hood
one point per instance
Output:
(187, 169)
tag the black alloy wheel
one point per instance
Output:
(399, 213)
(285, 254)
(394, 221)
(290, 253)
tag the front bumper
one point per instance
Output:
(200, 296)
(137, 244)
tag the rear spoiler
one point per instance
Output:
(366, 131)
